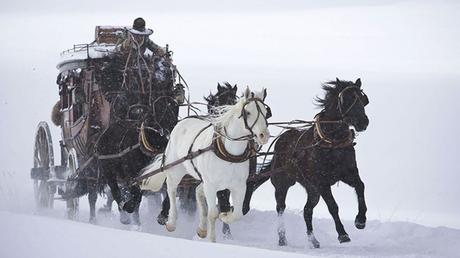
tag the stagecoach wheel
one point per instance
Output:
(43, 164)
(72, 203)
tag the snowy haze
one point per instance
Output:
(405, 52)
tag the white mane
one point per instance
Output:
(223, 114)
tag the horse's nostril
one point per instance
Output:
(262, 135)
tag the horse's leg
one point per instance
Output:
(114, 189)
(108, 206)
(223, 200)
(334, 211)
(281, 189)
(252, 185)
(163, 216)
(203, 210)
(354, 180)
(92, 198)
(237, 193)
(172, 181)
(312, 201)
(210, 194)
(137, 196)
(136, 220)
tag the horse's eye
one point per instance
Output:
(248, 113)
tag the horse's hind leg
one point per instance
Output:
(354, 181)
(163, 216)
(312, 201)
(203, 209)
(334, 211)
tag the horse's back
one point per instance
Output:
(292, 146)
(187, 132)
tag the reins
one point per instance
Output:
(217, 146)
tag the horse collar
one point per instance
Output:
(327, 142)
(222, 153)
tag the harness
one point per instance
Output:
(217, 146)
(346, 141)
(327, 142)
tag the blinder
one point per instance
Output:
(364, 99)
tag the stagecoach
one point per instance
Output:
(103, 90)
(96, 83)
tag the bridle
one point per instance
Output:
(361, 98)
(248, 126)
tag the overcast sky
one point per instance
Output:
(89, 6)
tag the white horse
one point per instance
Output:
(237, 126)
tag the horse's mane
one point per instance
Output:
(223, 114)
(211, 98)
(332, 90)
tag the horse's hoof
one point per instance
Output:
(344, 238)
(92, 220)
(124, 218)
(136, 228)
(161, 219)
(360, 223)
(314, 242)
(170, 227)
(226, 231)
(202, 233)
(282, 242)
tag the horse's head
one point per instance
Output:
(246, 119)
(255, 114)
(226, 95)
(346, 100)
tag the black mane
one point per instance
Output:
(332, 90)
(225, 95)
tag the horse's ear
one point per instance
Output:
(208, 98)
(337, 80)
(219, 88)
(247, 93)
(235, 88)
(265, 94)
(358, 82)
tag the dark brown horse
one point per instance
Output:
(322, 155)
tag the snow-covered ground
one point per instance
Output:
(45, 235)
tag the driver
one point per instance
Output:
(137, 38)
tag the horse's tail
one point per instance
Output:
(155, 182)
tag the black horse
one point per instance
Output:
(321, 156)
(144, 113)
